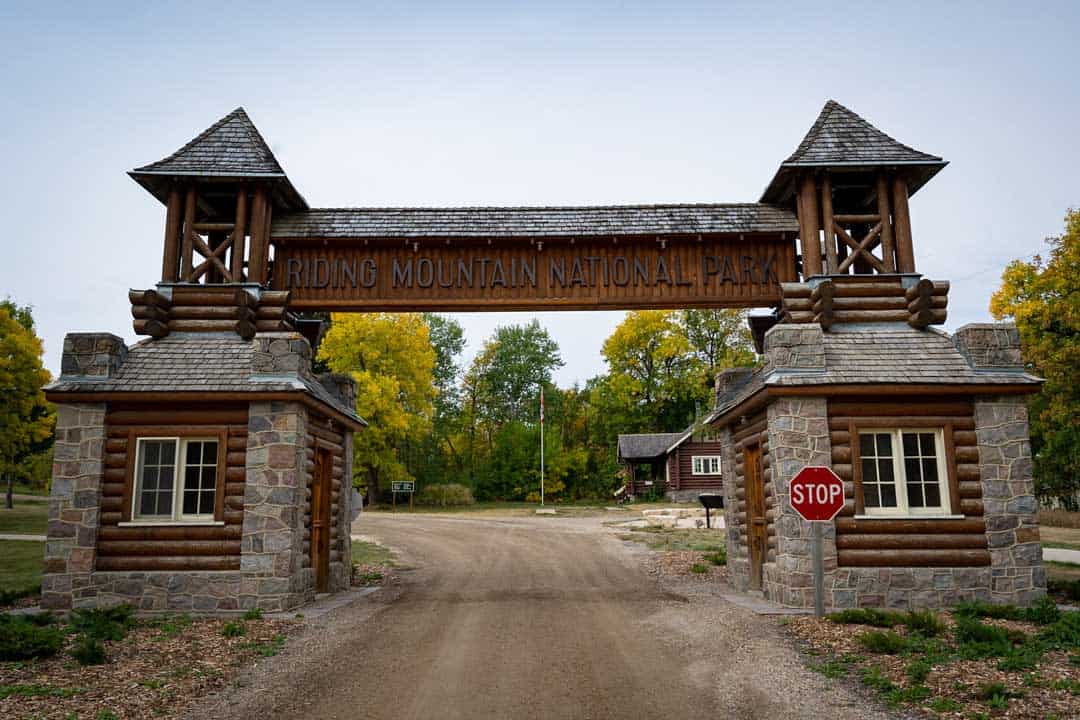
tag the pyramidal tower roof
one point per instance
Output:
(840, 138)
(231, 148)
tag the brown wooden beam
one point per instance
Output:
(888, 247)
(170, 262)
(258, 252)
(808, 226)
(239, 230)
(827, 223)
(905, 251)
(186, 260)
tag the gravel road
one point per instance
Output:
(532, 618)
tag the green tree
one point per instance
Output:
(1043, 297)
(438, 457)
(719, 339)
(26, 418)
(391, 358)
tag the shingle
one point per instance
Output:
(646, 446)
(534, 221)
(231, 147)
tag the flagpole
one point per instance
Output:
(541, 446)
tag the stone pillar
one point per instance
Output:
(271, 550)
(92, 355)
(798, 436)
(74, 504)
(1009, 506)
(990, 346)
(734, 521)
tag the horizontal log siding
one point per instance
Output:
(911, 542)
(325, 434)
(199, 547)
(684, 457)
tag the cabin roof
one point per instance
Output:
(647, 446)
(199, 362)
(231, 148)
(531, 222)
(840, 138)
(873, 355)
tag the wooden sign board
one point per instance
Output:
(517, 274)
(403, 486)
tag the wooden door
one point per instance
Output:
(755, 513)
(320, 518)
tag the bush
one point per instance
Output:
(7, 597)
(22, 639)
(1044, 612)
(924, 622)
(918, 670)
(719, 557)
(233, 629)
(104, 623)
(1068, 588)
(867, 616)
(253, 614)
(89, 651)
(884, 642)
(873, 677)
(977, 640)
(1063, 634)
(445, 495)
(699, 568)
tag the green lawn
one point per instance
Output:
(28, 517)
(20, 570)
(579, 508)
(369, 553)
(672, 539)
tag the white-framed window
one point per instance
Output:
(706, 464)
(175, 479)
(903, 471)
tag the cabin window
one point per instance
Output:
(903, 472)
(176, 479)
(706, 465)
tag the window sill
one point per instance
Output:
(170, 523)
(909, 517)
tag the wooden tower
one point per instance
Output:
(220, 191)
(849, 184)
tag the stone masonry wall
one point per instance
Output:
(271, 549)
(74, 505)
(798, 436)
(1009, 506)
(92, 355)
(734, 521)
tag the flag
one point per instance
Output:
(541, 406)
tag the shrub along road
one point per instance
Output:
(541, 617)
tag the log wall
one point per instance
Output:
(177, 547)
(911, 542)
(755, 432)
(681, 467)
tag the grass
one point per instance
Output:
(369, 553)
(26, 518)
(675, 539)
(20, 569)
(34, 690)
(699, 569)
(1060, 537)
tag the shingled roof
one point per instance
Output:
(841, 138)
(648, 446)
(230, 148)
(534, 221)
(198, 362)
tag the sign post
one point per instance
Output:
(817, 495)
(403, 486)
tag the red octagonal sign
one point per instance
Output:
(817, 493)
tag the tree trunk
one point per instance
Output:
(10, 491)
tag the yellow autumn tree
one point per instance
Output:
(391, 358)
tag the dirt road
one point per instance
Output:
(531, 618)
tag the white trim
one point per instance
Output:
(680, 441)
(901, 510)
(909, 517)
(706, 460)
(180, 464)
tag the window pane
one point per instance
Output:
(929, 471)
(168, 452)
(165, 474)
(915, 495)
(885, 471)
(150, 478)
(888, 496)
(164, 506)
(911, 470)
(911, 445)
(193, 453)
(866, 444)
(209, 478)
(191, 502)
(206, 502)
(151, 452)
(146, 503)
(209, 455)
(884, 444)
(933, 495)
(869, 471)
(926, 444)
(870, 496)
(191, 478)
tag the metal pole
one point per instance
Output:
(819, 572)
(541, 460)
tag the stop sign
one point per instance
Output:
(817, 493)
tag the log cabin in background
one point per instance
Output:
(680, 466)
(208, 467)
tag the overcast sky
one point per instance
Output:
(547, 103)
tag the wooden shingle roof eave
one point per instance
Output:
(230, 149)
(534, 222)
(840, 138)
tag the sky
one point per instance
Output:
(545, 103)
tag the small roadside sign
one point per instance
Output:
(817, 494)
(404, 486)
